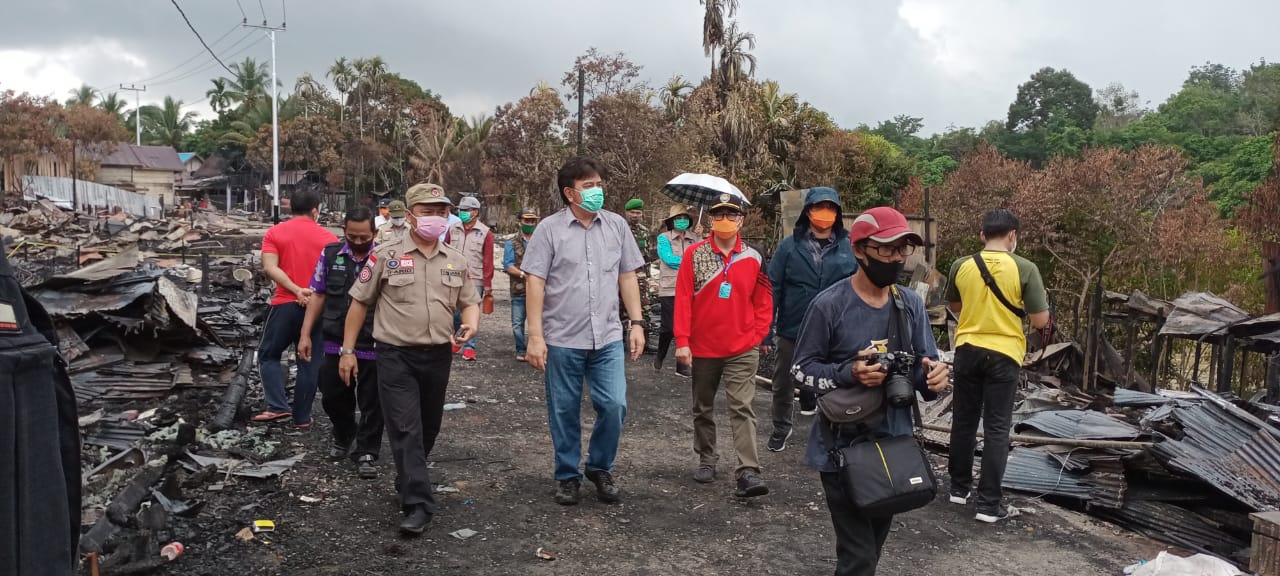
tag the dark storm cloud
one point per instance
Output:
(950, 62)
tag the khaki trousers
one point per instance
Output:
(738, 376)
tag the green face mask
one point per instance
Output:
(681, 224)
(528, 228)
(465, 216)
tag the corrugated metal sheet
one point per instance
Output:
(1079, 424)
(59, 191)
(1199, 313)
(1038, 473)
(1238, 457)
(1126, 397)
(1175, 525)
(145, 157)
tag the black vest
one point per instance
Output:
(341, 271)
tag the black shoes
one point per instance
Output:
(365, 468)
(1002, 512)
(704, 474)
(567, 493)
(606, 489)
(958, 496)
(750, 484)
(416, 521)
(778, 440)
(682, 370)
(339, 450)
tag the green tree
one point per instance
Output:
(249, 87)
(1117, 107)
(85, 95)
(713, 28)
(344, 78)
(167, 124)
(673, 95)
(736, 63)
(219, 96)
(1052, 112)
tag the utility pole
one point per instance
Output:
(581, 86)
(137, 110)
(275, 121)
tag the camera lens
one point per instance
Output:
(897, 391)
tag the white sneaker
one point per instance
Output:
(808, 412)
(961, 499)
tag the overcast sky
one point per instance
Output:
(952, 62)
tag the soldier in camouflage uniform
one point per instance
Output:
(645, 242)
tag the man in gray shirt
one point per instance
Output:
(579, 260)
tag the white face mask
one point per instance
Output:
(398, 222)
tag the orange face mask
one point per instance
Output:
(822, 218)
(724, 229)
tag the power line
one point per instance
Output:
(242, 14)
(188, 60)
(264, 13)
(284, 13)
(193, 30)
(209, 64)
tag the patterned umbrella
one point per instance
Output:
(700, 190)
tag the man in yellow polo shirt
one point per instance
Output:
(992, 292)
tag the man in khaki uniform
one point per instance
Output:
(396, 227)
(416, 283)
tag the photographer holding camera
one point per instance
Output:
(842, 347)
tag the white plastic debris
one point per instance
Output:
(454, 406)
(463, 534)
(1167, 564)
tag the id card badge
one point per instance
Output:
(725, 289)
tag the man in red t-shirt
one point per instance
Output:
(290, 250)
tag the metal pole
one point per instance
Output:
(228, 197)
(137, 111)
(75, 195)
(581, 90)
(275, 136)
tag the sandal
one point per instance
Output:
(303, 425)
(269, 416)
(521, 358)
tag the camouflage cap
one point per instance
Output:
(426, 193)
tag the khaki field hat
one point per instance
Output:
(426, 193)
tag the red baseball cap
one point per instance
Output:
(884, 225)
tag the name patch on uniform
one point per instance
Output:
(451, 273)
(366, 274)
(8, 320)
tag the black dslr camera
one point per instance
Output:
(897, 366)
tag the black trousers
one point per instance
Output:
(784, 389)
(985, 384)
(858, 539)
(34, 500)
(411, 386)
(340, 402)
(666, 330)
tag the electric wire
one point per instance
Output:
(193, 30)
(198, 53)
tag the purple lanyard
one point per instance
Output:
(729, 262)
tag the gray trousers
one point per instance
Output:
(784, 389)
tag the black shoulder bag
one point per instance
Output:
(884, 476)
(990, 281)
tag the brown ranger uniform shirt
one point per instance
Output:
(415, 295)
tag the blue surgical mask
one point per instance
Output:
(592, 199)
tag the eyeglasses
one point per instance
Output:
(734, 216)
(889, 250)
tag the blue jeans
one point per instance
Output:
(606, 372)
(282, 328)
(517, 324)
(457, 322)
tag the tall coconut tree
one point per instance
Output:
(249, 85)
(85, 95)
(370, 75)
(307, 90)
(167, 124)
(736, 63)
(713, 30)
(343, 76)
(114, 105)
(673, 95)
(219, 96)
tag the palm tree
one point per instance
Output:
(114, 105)
(736, 64)
(243, 129)
(673, 95)
(778, 109)
(542, 88)
(219, 97)
(305, 90)
(343, 76)
(713, 26)
(370, 74)
(167, 124)
(82, 96)
(737, 131)
(250, 84)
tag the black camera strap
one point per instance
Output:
(990, 281)
(900, 339)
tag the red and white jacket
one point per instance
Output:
(715, 320)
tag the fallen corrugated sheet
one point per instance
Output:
(1197, 314)
(246, 469)
(1079, 424)
(1039, 473)
(89, 193)
(1238, 457)
(115, 434)
(1175, 525)
(1127, 397)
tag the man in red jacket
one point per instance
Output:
(723, 308)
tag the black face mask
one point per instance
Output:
(881, 273)
(360, 248)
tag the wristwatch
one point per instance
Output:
(346, 352)
(634, 323)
